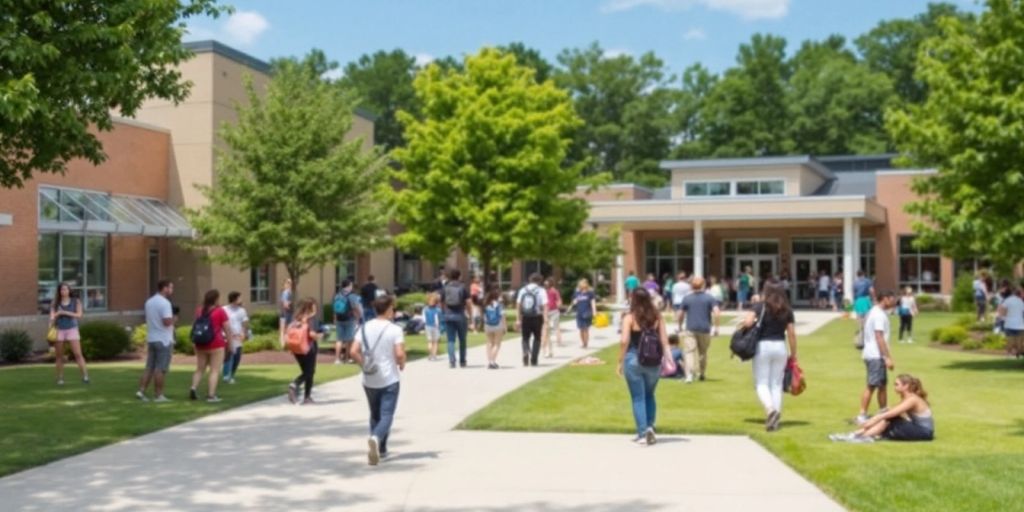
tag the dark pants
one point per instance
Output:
(307, 364)
(532, 325)
(231, 362)
(455, 325)
(383, 402)
(906, 324)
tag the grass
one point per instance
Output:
(40, 422)
(974, 463)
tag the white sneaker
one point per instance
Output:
(161, 399)
(141, 396)
(337, 361)
(910, 340)
(650, 437)
(640, 441)
(232, 381)
(373, 455)
(862, 419)
(689, 379)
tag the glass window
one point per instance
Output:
(774, 187)
(920, 269)
(746, 247)
(746, 188)
(48, 209)
(259, 285)
(867, 257)
(803, 247)
(80, 261)
(696, 189)
(762, 188)
(535, 266)
(719, 188)
(767, 247)
(708, 188)
(668, 257)
(409, 270)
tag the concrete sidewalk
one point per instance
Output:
(276, 456)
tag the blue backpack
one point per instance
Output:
(342, 307)
(202, 330)
(492, 315)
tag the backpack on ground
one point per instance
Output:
(744, 341)
(529, 305)
(342, 307)
(202, 330)
(649, 351)
(453, 296)
(297, 338)
(492, 315)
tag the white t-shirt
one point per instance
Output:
(157, 309)
(877, 320)
(390, 335)
(679, 292)
(237, 316)
(540, 295)
(823, 282)
(907, 304)
(1014, 313)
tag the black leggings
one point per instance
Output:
(906, 324)
(900, 429)
(307, 364)
(532, 325)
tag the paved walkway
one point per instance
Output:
(274, 456)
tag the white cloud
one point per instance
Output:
(242, 28)
(424, 59)
(612, 53)
(694, 34)
(746, 9)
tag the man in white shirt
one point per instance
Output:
(824, 284)
(876, 355)
(530, 306)
(680, 289)
(1011, 310)
(238, 332)
(160, 318)
(380, 352)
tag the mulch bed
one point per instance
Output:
(958, 348)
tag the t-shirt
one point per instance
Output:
(823, 283)
(383, 351)
(460, 289)
(1014, 313)
(716, 293)
(698, 307)
(979, 288)
(907, 304)
(652, 286)
(744, 281)
(862, 287)
(632, 283)
(584, 304)
(431, 316)
(286, 296)
(218, 319)
(877, 320)
(237, 316)
(537, 292)
(157, 309)
(773, 327)
(368, 293)
(679, 292)
(353, 306)
(553, 299)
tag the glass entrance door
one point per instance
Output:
(763, 267)
(805, 272)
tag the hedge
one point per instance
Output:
(951, 335)
(104, 340)
(183, 342)
(261, 344)
(263, 322)
(15, 345)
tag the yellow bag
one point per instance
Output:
(51, 335)
(601, 320)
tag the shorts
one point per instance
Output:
(823, 294)
(287, 317)
(553, 318)
(433, 333)
(584, 322)
(491, 329)
(346, 331)
(1012, 333)
(877, 374)
(743, 295)
(900, 429)
(862, 305)
(68, 334)
(158, 356)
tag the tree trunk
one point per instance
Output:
(293, 274)
(485, 259)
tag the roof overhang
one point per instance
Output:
(6, 219)
(85, 211)
(734, 163)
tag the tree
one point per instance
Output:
(384, 83)
(697, 84)
(65, 66)
(970, 128)
(531, 58)
(290, 188)
(483, 170)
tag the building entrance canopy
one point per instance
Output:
(85, 211)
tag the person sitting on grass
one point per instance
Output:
(911, 420)
(677, 356)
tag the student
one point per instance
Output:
(585, 302)
(641, 380)
(652, 287)
(837, 292)
(65, 312)
(494, 326)
(877, 358)
(680, 290)
(476, 294)
(432, 322)
(824, 289)
(160, 318)
(1012, 310)
(552, 315)
(907, 311)
(381, 354)
(700, 312)
(769, 366)
(210, 356)
(457, 304)
(677, 357)
(744, 288)
(911, 420)
(863, 297)
(348, 311)
(238, 332)
(368, 293)
(530, 304)
(305, 318)
(285, 308)
(632, 283)
(666, 289)
(980, 295)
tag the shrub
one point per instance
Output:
(261, 343)
(970, 344)
(139, 337)
(409, 301)
(994, 341)
(15, 345)
(953, 335)
(263, 322)
(183, 342)
(985, 326)
(936, 334)
(926, 302)
(104, 340)
(963, 293)
(965, 321)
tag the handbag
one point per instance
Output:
(668, 365)
(51, 335)
(744, 341)
(794, 381)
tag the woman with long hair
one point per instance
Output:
(643, 319)
(911, 420)
(777, 325)
(65, 312)
(211, 355)
(305, 316)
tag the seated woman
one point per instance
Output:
(677, 356)
(911, 420)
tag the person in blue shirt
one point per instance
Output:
(432, 319)
(863, 296)
(585, 302)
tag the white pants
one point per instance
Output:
(769, 369)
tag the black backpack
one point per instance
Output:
(744, 341)
(202, 330)
(649, 350)
(453, 296)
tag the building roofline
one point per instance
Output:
(854, 158)
(139, 124)
(906, 172)
(615, 186)
(218, 48)
(735, 200)
(716, 163)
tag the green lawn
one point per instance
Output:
(40, 422)
(974, 464)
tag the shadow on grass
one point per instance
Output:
(997, 364)
(783, 423)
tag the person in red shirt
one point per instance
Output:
(210, 355)
(553, 316)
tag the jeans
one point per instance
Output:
(532, 326)
(769, 370)
(906, 325)
(642, 380)
(455, 325)
(307, 363)
(383, 402)
(231, 362)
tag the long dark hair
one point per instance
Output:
(210, 300)
(642, 308)
(57, 298)
(775, 302)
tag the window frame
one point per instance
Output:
(260, 294)
(733, 185)
(81, 288)
(918, 284)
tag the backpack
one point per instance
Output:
(453, 297)
(342, 307)
(529, 305)
(492, 315)
(202, 330)
(297, 338)
(744, 341)
(649, 351)
(369, 365)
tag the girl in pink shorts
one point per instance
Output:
(65, 313)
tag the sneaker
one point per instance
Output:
(373, 455)
(141, 396)
(640, 441)
(776, 418)
(161, 399)
(526, 361)
(213, 399)
(910, 340)
(841, 437)
(337, 361)
(292, 393)
(702, 377)
(649, 436)
(192, 395)
(308, 401)
(232, 381)
(689, 379)
(861, 419)
(860, 439)
(226, 378)
(768, 420)
(451, 365)
(85, 380)
(60, 382)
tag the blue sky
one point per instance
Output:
(681, 32)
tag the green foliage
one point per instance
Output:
(383, 82)
(266, 342)
(985, 326)
(965, 321)
(963, 294)
(930, 303)
(953, 335)
(290, 188)
(531, 58)
(66, 67)
(15, 345)
(264, 322)
(994, 341)
(409, 301)
(104, 340)
(183, 341)
(139, 337)
(970, 129)
(970, 344)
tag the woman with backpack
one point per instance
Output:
(209, 340)
(774, 317)
(303, 325)
(644, 343)
(64, 315)
(494, 326)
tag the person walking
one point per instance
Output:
(368, 293)
(1012, 311)
(552, 315)
(838, 301)
(476, 295)
(160, 318)
(585, 302)
(304, 324)
(824, 289)
(907, 310)
(381, 355)
(718, 292)
(432, 324)
(285, 308)
(65, 313)
(348, 312)
(632, 283)
(642, 321)
(700, 311)
(494, 326)
(666, 290)
(776, 320)
(530, 304)
(680, 289)
(744, 288)
(980, 295)
(238, 333)
(863, 298)
(457, 304)
(876, 354)
(209, 355)
(651, 284)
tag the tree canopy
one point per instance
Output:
(384, 84)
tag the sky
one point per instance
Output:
(680, 32)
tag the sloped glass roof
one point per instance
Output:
(74, 210)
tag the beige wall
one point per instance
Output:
(799, 179)
(604, 212)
